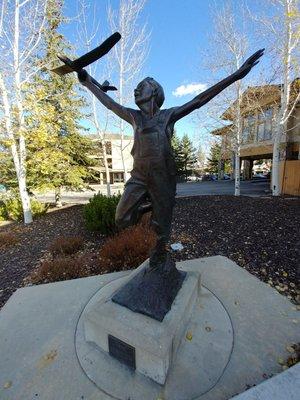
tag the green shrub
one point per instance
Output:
(11, 208)
(3, 213)
(99, 213)
(38, 208)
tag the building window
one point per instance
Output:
(265, 125)
(108, 148)
(249, 129)
(245, 132)
(118, 177)
(268, 124)
(261, 127)
(252, 128)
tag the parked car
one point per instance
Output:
(209, 177)
(192, 178)
(258, 175)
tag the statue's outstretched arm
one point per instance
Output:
(107, 101)
(207, 95)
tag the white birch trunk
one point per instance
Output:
(121, 96)
(103, 144)
(21, 35)
(129, 56)
(20, 112)
(237, 179)
(281, 125)
(275, 183)
(238, 126)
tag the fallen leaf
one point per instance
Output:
(290, 349)
(7, 384)
(189, 335)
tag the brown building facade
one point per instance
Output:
(259, 110)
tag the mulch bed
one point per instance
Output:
(33, 241)
(259, 234)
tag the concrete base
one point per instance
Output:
(204, 352)
(155, 343)
(40, 358)
(282, 386)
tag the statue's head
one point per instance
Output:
(147, 89)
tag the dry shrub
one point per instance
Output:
(65, 245)
(7, 239)
(128, 249)
(60, 269)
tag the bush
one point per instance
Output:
(128, 249)
(60, 269)
(11, 209)
(7, 239)
(99, 213)
(64, 245)
(3, 213)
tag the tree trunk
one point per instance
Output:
(122, 155)
(275, 162)
(237, 179)
(108, 191)
(58, 202)
(238, 124)
(25, 199)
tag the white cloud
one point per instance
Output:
(191, 88)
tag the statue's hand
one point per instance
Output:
(249, 64)
(83, 76)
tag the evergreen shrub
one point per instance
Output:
(99, 213)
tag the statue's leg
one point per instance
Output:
(162, 190)
(132, 205)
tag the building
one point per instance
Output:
(114, 158)
(259, 108)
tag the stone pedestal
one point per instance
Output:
(141, 342)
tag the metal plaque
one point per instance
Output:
(121, 351)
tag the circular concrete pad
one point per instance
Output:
(199, 363)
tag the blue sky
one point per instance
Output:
(181, 30)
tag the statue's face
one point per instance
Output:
(143, 92)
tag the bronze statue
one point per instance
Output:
(152, 185)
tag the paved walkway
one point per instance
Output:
(248, 188)
(39, 358)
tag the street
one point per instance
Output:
(248, 188)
